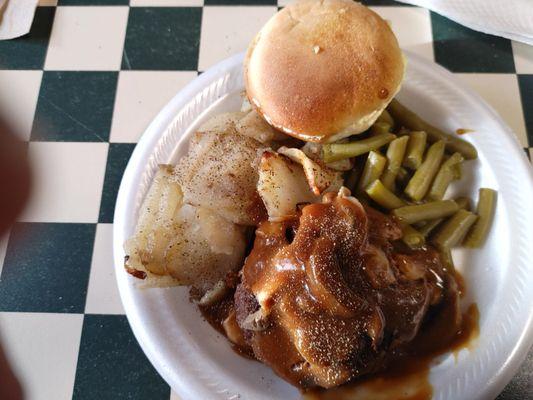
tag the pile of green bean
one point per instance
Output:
(408, 167)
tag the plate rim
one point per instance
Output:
(156, 129)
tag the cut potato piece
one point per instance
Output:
(247, 123)
(215, 294)
(319, 178)
(189, 256)
(223, 237)
(178, 242)
(314, 152)
(245, 106)
(152, 233)
(220, 173)
(282, 186)
(233, 330)
(222, 123)
(255, 126)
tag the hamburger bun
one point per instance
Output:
(323, 70)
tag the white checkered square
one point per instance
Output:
(166, 3)
(412, 26)
(18, 98)
(140, 96)
(44, 350)
(501, 92)
(102, 294)
(67, 181)
(523, 58)
(228, 30)
(87, 38)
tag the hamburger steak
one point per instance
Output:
(330, 295)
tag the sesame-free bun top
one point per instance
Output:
(323, 70)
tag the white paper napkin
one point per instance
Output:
(512, 19)
(16, 17)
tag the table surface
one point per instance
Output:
(81, 88)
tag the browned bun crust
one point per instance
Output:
(323, 70)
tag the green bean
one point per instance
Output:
(444, 177)
(403, 131)
(383, 196)
(387, 118)
(374, 166)
(457, 171)
(486, 207)
(429, 226)
(411, 237)
(403, 177)
(403, 116)
(426, 211)
(340, 151)
(456, 168)
(379, 128)
(447, 259)
(415, 149)
(454, 230)
(421, 180)
(463, 202)
(395, 153)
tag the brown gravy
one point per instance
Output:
(406, 378)
(217, 313)
(404, 374)
(215, 316)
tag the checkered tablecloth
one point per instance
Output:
(81, 88)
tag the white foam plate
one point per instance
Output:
(198, 363)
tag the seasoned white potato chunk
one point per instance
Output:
(177, 243)
(153, 231)
(255, 126)
(318, 177)
(222, 236)
(220, 173)
(247, 123)
(282, 186)
(223, 123)
(190, 257)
